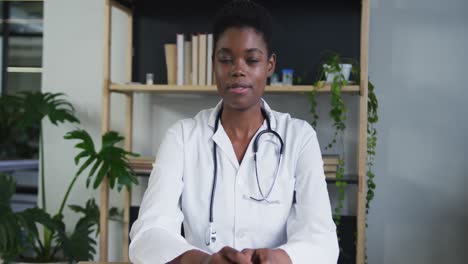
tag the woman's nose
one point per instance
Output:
(238, 68)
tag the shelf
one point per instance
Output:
(164, 88)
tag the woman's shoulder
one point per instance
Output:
(200, 120)
(293, 125)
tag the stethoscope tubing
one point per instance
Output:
(211, 233)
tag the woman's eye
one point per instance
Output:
(225, 60)
(252, 61)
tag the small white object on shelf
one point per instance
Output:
(345, 71)
(149, 79)
(274, 80)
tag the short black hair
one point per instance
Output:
(241, 14)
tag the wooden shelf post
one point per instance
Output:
(362, 148)
(104, 202)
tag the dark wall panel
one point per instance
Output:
(303, 30)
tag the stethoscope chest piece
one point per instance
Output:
(210, 234)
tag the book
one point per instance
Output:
(142, 165)
(194, 60)
(331, 159)
(187, 62)
(180, 59)
(330, 175)
(330, 168)
(209, 64)
(202, 59)
(170, 51)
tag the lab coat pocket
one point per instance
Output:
(271, 214)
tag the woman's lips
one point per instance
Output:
(238, 90)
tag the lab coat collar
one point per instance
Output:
(214, 113)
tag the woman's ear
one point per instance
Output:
(271, 65)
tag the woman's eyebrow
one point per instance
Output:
(223, 50)
(226, 50)
(254, 50)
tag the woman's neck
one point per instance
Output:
(242, 124)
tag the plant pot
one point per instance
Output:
(345, 71)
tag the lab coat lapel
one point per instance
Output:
(223, 143)
(222, 140)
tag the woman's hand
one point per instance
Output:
(228, 255)
(267, 256)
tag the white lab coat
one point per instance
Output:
(180, 185)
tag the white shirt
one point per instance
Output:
(180, 184)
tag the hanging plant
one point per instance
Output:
(332, 72)
(341, 185)
(372, 119)
(338, 115)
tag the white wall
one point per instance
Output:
(73, 64)
(417, 61)
(416, 54)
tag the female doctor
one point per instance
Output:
(246, 182)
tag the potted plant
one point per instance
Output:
(19, 234)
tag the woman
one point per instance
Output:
(243, 195)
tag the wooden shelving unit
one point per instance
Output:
(164, 88)
(129, 89)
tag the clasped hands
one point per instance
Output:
(248, 256)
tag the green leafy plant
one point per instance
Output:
(19, 232)
(16, 141)
(110, 160)
(338, 115)
(341, 186)
(33, 108)
(372, 119)
(331, 66)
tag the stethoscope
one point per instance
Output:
(211, 232)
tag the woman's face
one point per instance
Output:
(241, 66)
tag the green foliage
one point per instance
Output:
(338, 115)
(10, 236)
(338, 109)
(341, 185)
(110, 160)
(313, 107)
(90, 213)
(16, 141)
(79, 245)
(37, 105)
(372, 119)
(19, 231)
(115, 214)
